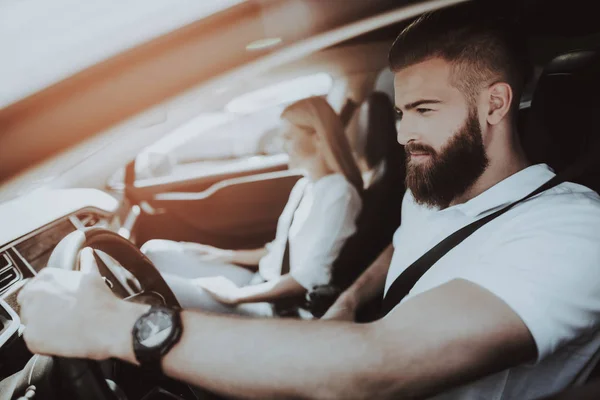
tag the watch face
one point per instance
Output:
(154, 329)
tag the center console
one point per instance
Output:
(12, 350)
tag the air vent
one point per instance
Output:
(8, 274)
(7, 277)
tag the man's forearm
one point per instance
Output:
(372, 281)
(272, 364)
(469, 333)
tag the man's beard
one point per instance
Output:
(449, 173)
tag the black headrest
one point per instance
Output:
(377, 136)
(565, 111)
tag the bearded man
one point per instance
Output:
(512, 312)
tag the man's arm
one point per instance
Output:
(467, 333)
(366, 287)
(447, 336)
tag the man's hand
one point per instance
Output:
(221, 288)
(209, 253)
(344, 309)
(74, 314)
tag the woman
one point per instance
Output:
(320, 215)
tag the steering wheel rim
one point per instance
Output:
(85, 376)
(66, 255)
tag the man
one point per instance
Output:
(509, 313)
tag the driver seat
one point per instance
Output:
(563, 126)
(563, 122)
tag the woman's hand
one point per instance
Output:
(221, 288)
(210, 253)
(344, 309)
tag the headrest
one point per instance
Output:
(565, 110)
(376, 137)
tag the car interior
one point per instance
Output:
(171, 160)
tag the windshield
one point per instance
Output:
(67, 36)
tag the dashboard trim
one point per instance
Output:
(49, 225)
(19, 262)
(10, 265)
(28, 213)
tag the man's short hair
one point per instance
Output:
(481, 50)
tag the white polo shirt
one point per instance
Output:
(323, 220)
(542, 258)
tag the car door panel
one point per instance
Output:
(239, 212)
(197, 177)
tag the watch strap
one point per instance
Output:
(150, 359)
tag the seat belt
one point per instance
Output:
(288, 307)
(285, 263)
(403, 284)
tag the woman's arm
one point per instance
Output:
(227, 292)
(248, 258)
(284, 286)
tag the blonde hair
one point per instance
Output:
(316, 114)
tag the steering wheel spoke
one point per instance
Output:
(110, 278)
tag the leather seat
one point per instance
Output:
(564, 120)
(563, 126)
(382, 200)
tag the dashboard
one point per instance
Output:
(33, 225)
(27, 255)
(30, 229)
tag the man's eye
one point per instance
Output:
(423, 110)
(399, 114)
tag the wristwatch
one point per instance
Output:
(154, 335)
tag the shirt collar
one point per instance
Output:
(507, 191)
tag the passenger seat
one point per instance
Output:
(382, 200)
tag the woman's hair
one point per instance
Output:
(381, 142)
(316, 114)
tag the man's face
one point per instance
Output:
(441, 133)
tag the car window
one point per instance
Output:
(247, 129)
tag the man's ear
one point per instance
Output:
(500, 96)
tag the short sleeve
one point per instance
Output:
(547, 270)
(333, 215)
(286, 215)
(270, 265)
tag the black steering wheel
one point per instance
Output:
(84, 376)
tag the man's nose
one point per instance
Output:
(406, 133)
